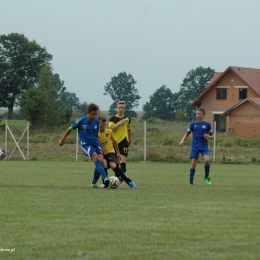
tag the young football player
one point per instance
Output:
(109, 144)
(121, 126)
(201, 131)
(88, 132)
(2, 154)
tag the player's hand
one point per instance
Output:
(122, 121)
(181, 143)
(104, 151)
(118, 157)
(61, 142)
(206, 136)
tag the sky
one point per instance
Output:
(156, 41)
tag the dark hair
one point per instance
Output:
(92, 107)
(201, 110)
(102, 119)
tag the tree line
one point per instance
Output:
(27, 80)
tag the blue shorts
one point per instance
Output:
(88, 150)
(195, 151)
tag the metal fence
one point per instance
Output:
(150, 142)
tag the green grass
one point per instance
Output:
(49, 211)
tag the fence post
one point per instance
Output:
(77, 145)
(6, 137)
(144, 140)
(7, 128)
(28, 143)
(214, 143)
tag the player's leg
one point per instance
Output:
(105, 165)
(192, 170)
(97, 158)
(123, 149)
(194, 157)
(93, 153)
(205, 153)
(95, 179)
(120, 174)
(207, 169)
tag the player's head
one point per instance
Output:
(102, 123)
(200, 112)
(92, 111)
(120, 108)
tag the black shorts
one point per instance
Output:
(110, 157)
(123, 147)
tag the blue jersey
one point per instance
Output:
(198, 129)
(87, 130)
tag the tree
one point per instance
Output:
(21, 61)
(55, 103)
(52, 109)
(193, 85)
(160, 105)
(83, 107)
(31, 103)
(179, 115)
(69, 101)
(40, 104)
(122, 88)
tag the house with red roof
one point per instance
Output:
(232, 100)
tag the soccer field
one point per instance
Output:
(48, 211)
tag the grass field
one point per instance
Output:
(48, 211)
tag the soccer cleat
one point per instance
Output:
(97, 185)
(191, 184)
(207, 180)
(106, 182)
(94, 185)
(121, 182)
(132, 185)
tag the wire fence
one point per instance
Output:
(150, 142)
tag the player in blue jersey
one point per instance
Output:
(201, 131)
(88, 127)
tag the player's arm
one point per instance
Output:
(67, 132)
(209, 135)
(129, 132)
(129, 136)
(184, 138)
(115, 144)
(114, 126)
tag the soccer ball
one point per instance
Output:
(114, 182)
(2, 154)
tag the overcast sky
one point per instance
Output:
(156, 41)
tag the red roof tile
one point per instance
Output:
(254, 101)
(250, 76)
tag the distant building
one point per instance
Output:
(232, 99)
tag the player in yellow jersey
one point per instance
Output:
(108, 145)
(121, 127)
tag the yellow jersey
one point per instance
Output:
(106, 141)
(122, 131)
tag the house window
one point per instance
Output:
(242, 93)
(221, 93)
(220, 123)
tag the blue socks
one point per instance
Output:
(96, 176)
(100, 169)
(207, 167)
(192, 173)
